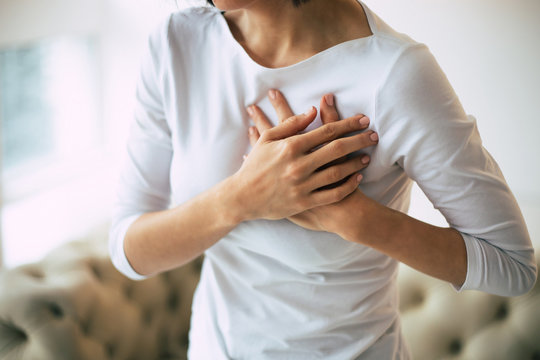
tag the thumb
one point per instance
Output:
(292, 125)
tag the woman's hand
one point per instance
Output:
(282, 175)
(325, 217)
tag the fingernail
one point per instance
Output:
(364, 121)
(374, 136)
(250, 110)
(329, 99)
(359, 177)
(310, 111)
(251, 130)
(365, 159)
(272, 93)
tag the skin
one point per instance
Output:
(278, 179)
(283, 174)
(436, 251)
(296, 33)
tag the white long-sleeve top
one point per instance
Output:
(271, 289)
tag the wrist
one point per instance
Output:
(357, 217)
(232, 198)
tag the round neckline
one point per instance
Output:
(312, 59)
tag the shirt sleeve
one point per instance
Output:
(144, 184)
(424, 129)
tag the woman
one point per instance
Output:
(302, 238)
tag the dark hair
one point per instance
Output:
(296, 3)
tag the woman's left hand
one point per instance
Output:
(329, 218)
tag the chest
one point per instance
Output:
(209, 122)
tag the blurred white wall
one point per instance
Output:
(68, 209)
(490, 51)
(126, 27)
(22, 21)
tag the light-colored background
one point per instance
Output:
(489, 50)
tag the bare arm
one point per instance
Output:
(160, 241)
(455, 256)
(439, 252)
(278, 179)
(436, 251)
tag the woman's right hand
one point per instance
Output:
(282, 175)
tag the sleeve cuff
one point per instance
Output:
(474, 255)
(116, 248)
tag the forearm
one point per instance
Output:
(276, 180)
(163, 240)
(436, 251)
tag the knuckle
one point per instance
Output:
(353, 124)
(256, 114)
(280, 102)
(296, 195)
(293, 173)
(364, 140)
(329, 131)
(340, 193)
(294, 118)
(333, 196)
(352, 184)
(264, 136)
(338, 147)
(334, 173)
(290, 147)
(302, 202)
(290, 121)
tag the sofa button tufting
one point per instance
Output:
(417, 299)
(56, 310)
(85, 326)
(94, 269)
(147, 316)
(128, 291)
(502, 312)
(173, 301)
(110, 349)
(12, 334)
(455, 346)
(35, 273)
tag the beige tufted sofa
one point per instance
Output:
(74, 305)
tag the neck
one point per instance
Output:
(276, 34)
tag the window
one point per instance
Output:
(49, 110)
(52, 135)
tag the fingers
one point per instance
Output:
(328, 110)
(280, 104)
(262, 123)
(289, 124)
(341, 147)
(338, 193)
(292, 126)
(253, 135)
(332, 131)
(334, 174)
